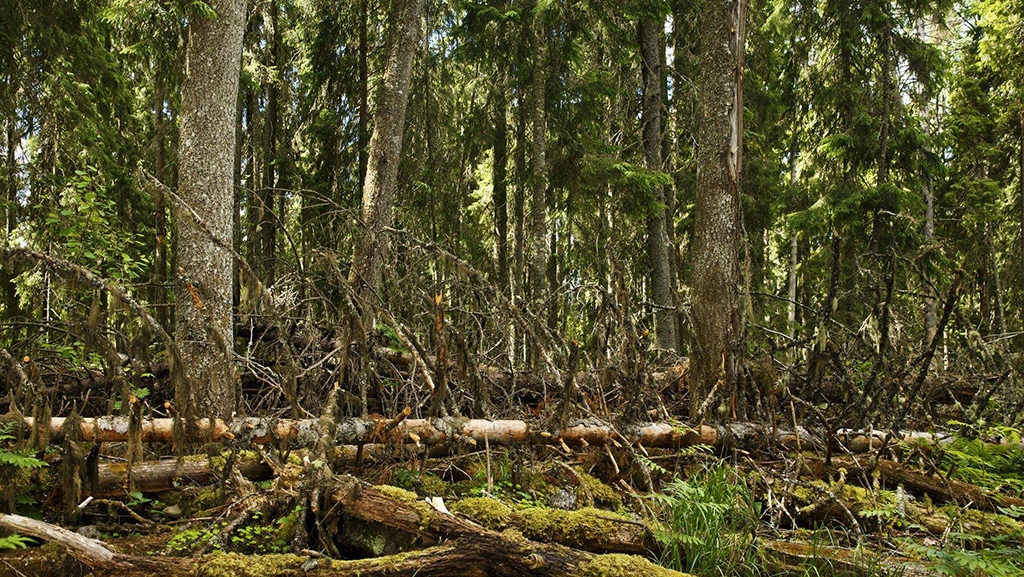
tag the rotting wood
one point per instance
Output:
(893, 474)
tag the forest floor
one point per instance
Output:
(918, 508)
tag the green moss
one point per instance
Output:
(983, 524)
(584, 525)
(397, 493)
(593, 492)
(618, 565)
(490, 513)
(235, 565)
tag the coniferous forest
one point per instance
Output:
(512, 287)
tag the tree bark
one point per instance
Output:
(159, 293)
(206, 178)
(385, 149)
(501, 185)
(431, 432)
(268, 193)
(539, 179)
(658, 254)
(718, 316)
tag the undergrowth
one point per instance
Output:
(12, 462)
(708, 523)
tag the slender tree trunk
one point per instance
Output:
(385, 148)
(364, 87)
(501, 185)
(1020, 183)
(538, 121)
(794, 252)
(205, 179)
(9, 222)
(658, 254)
(718, 316)
(236, 210)
(931, 314)
(159, 294)
(519, 201)
(268, 193)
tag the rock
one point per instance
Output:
(563, 499)
(172, 512)
(89, 531)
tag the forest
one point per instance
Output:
(512, 287)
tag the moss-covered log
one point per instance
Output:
(589, 529)
(940, 489)
(507, 553)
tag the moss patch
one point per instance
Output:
(235, 565)
(593, 492)
(397, 493)
(490, 513)
(618, 565)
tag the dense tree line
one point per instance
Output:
(812, 202)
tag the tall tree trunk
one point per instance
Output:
(718, 317)
(268, 193)
(385, 149)
(9, 221)
(658, 254)
(794, 252)
(364, 88)
(931, 314)
(519, 201)
(158, 296)
(538, 121)
(205, 178)
(501, 185)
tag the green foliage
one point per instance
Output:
(89, 225)
(14, 542)
(958, 562)
(971, 458)
(13, 460)
(707, 523)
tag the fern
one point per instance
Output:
(14, 542)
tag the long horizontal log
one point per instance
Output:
(355, 431)
(166, 475)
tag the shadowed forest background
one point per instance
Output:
(743, 278)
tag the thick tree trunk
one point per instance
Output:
(539, 177)
(206, 177)
(385, 149)
(658, 255)
(718, 316)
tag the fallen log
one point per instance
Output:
(454, 558)
(356, 431)
(468, 550)
(506, 554)
(893, 474)
(588, 529)
(166, 475)
(796, 558)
